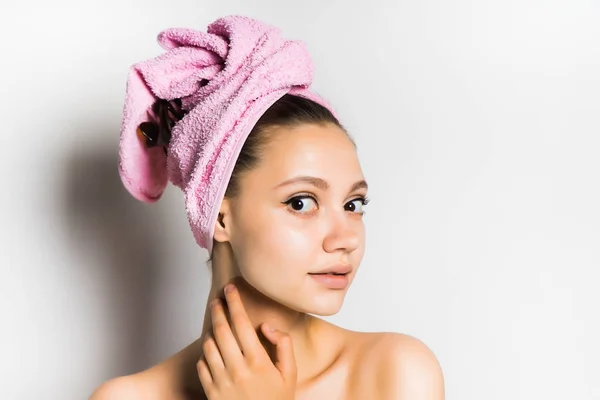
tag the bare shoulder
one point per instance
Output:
(131, 387)
(123, 387)
(401, 367)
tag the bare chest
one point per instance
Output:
(344, 382)
(347, 381)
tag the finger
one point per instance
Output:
(204, 375)
(285, 360)
(249, 341)
(213, 359)
(228, 347)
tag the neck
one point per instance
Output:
(259, 307)
(307, 332)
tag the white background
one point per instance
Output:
(478, 125)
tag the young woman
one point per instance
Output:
(286, 237)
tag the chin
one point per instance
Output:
(325, 313)
(325, 307)
(323, 302)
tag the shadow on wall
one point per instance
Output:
(119, 235)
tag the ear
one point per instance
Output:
(223, 223)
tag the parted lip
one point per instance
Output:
(340, 269)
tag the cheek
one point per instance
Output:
(272, 241)
(270, 249)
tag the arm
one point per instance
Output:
(410, 371)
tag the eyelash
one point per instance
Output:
(364, 200)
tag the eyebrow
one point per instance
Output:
(320, 183)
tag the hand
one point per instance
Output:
(230, 373)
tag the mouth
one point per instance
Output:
(332, 280)
(336, 269)
(330, 273)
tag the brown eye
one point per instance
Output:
(356, 205)
(301, 204)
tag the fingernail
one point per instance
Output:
(229, 288)
(215, 302)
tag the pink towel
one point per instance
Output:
(226, 79)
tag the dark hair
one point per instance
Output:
(289, 111)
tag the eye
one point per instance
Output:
(357, 205)
(302, 204)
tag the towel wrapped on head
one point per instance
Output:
(215, 86)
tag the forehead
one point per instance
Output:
(323, 151)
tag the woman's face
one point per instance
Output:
(299, 212)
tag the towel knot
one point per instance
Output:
(211, 87)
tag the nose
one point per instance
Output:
(343, 233)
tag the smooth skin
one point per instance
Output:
(299, 211)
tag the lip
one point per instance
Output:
(335, 269)
(332, 281)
